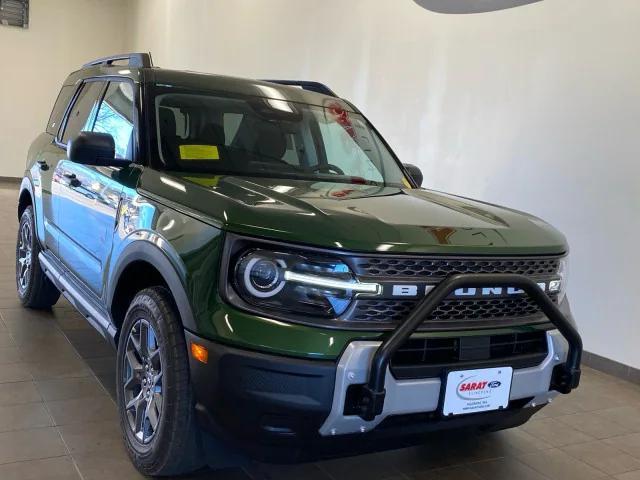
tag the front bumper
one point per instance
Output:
(404, 397)
(286, 409)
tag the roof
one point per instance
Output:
(238, 85)
(139, 68)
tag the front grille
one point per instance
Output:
(440, 267)
(452, 311)
(424, 357)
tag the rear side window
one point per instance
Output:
(83, 111)
(116, 117)
(60, 106)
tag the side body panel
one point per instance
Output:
(88, 205)
(185, 250)
(44, 155)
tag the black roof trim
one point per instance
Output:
(140, 60)
(307, 85)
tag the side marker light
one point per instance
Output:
(199, 352)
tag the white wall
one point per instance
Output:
(536, 107)
(62, 35)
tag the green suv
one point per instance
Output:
(274, 280)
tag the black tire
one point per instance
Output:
(35, 290)
(174, 446)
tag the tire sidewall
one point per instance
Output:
(27, 217)
(147, 453)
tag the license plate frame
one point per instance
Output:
(476, 390)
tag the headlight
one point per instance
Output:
(295, 283)
(261, 276)
(563, 273)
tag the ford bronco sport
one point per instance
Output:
(274, 280)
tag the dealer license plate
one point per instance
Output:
(473, 391)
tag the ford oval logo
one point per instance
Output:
(495, 384)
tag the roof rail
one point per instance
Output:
(307, 85)
(134, 59)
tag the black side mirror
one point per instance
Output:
(94, 148)
(414, 172)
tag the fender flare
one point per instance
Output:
(148, 251)
(26, 185)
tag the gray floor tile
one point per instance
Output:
(26, 415)
(69, 388)
(9, 355)
(594, 425)
(485, 447)
(6, 340)
(35, 352)
(97, 348)
(41, 324)
(629, 395)
(603, 457)
(371, 467)
(92, 436)
(43, 335)
(629, 476)
(73, 321)
(102, 365)
(518, 440)
(627, 443)
(57, 468)
(18, 392)
(10, 302)
(588, 399)
(557, 464)
(554, 433)
(448, 473)
(420, 458)
(83, 410)
(20, 316)
(106, 465)
(628, 416)
(14, 372)
(308, 471)
(85, 336)
(505, 469)
(59, 368)
(24, 445)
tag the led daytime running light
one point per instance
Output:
(331, 283)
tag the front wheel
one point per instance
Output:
(35, 290)
(153, 390)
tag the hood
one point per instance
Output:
(355, 217)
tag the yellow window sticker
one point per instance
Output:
(199, 152)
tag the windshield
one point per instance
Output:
(256, 136)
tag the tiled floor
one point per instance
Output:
(58, 418)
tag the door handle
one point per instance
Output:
(43, 164)
(73, 180)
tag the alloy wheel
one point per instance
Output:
(24, 257)
(142, 382)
